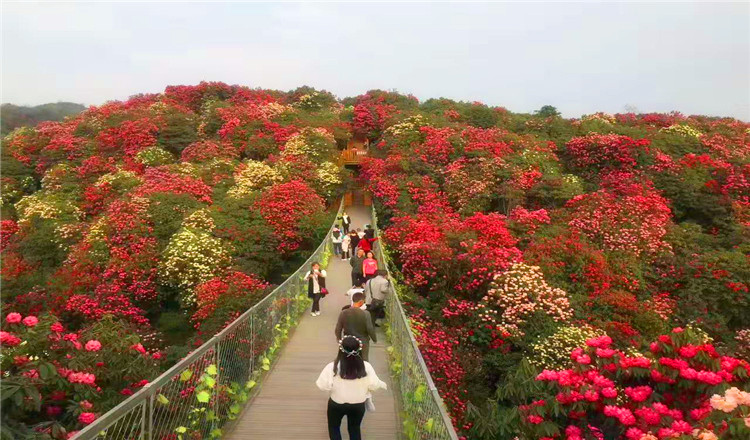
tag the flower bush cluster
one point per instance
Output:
(632, 223)
(158, 219)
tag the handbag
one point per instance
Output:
(323, 292)
(370, 405)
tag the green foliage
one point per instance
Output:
(179, 131)
(481, 116)
(547, 111)
(14, 116)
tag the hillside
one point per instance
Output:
(14, 116)
(566, 278)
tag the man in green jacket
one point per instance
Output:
(357, 322)
(356, 261)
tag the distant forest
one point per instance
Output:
(14, 116)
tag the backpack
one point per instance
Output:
(336, 233)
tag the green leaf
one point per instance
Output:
(429, 424)
(266, 367)
(186, 375)
(216, 433)
(419, 393)
(203, 397)
(209, 381)
(211, 369)
(162, 399)
(180, 430)
(250, 384)
(235, 409)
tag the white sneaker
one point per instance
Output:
(317, 313)
(312, 313)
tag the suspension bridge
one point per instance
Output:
(256, 378)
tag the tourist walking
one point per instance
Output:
(316, 286)
(369, 231)
(377, 288)
(346, 241)
(336, 238)
(369, 266)
(349, 381)
(356, 321)
(354, 241)
(360, 233)
(366, 244)
(346, 221)
(356, 263)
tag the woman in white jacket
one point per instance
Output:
(346, 242)
(349, 381)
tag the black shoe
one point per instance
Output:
(377, 325)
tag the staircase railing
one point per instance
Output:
(197, 396)
(423, 413)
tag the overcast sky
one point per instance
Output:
(579, 57)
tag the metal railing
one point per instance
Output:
(196, 397)
(424, 416)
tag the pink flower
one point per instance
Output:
(54, 411)
(139, 348)
(535, 420)
(93, 345)
(584, 360)
(87, 418)
(609, 393)
(688, 351)
(126, 392)
(8, 339)
(85, 404)
(57, 327)
(13, 318)
(638, 394)
(30, 321)
(600, 342)
(157, 355)
(605, 352)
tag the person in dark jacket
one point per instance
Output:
(353, 241)
(357, 322)
(369, 231)
(346, 221)
(358, 276)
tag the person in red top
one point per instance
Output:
(370, 266)
(366, 244)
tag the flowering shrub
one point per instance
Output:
(663, 394)
(214, 294)
(56, 381)
(252, 176)
(521, 292)
(553, 352)
(192, 257)
(284, 207)
(633, 219)
(605, 151)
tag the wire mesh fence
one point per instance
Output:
(423, 414)
(208, 388)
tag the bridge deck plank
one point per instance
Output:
(289, 405)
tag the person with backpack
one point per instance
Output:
(356, 321)
(316, 286)
(346, 221)
(349, 380)
(377, 288)
(336, 238)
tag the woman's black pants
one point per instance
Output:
(354, 413)
(316, 303)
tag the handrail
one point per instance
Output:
(425, 415)
(225, 367)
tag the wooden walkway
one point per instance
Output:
(289, 405)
